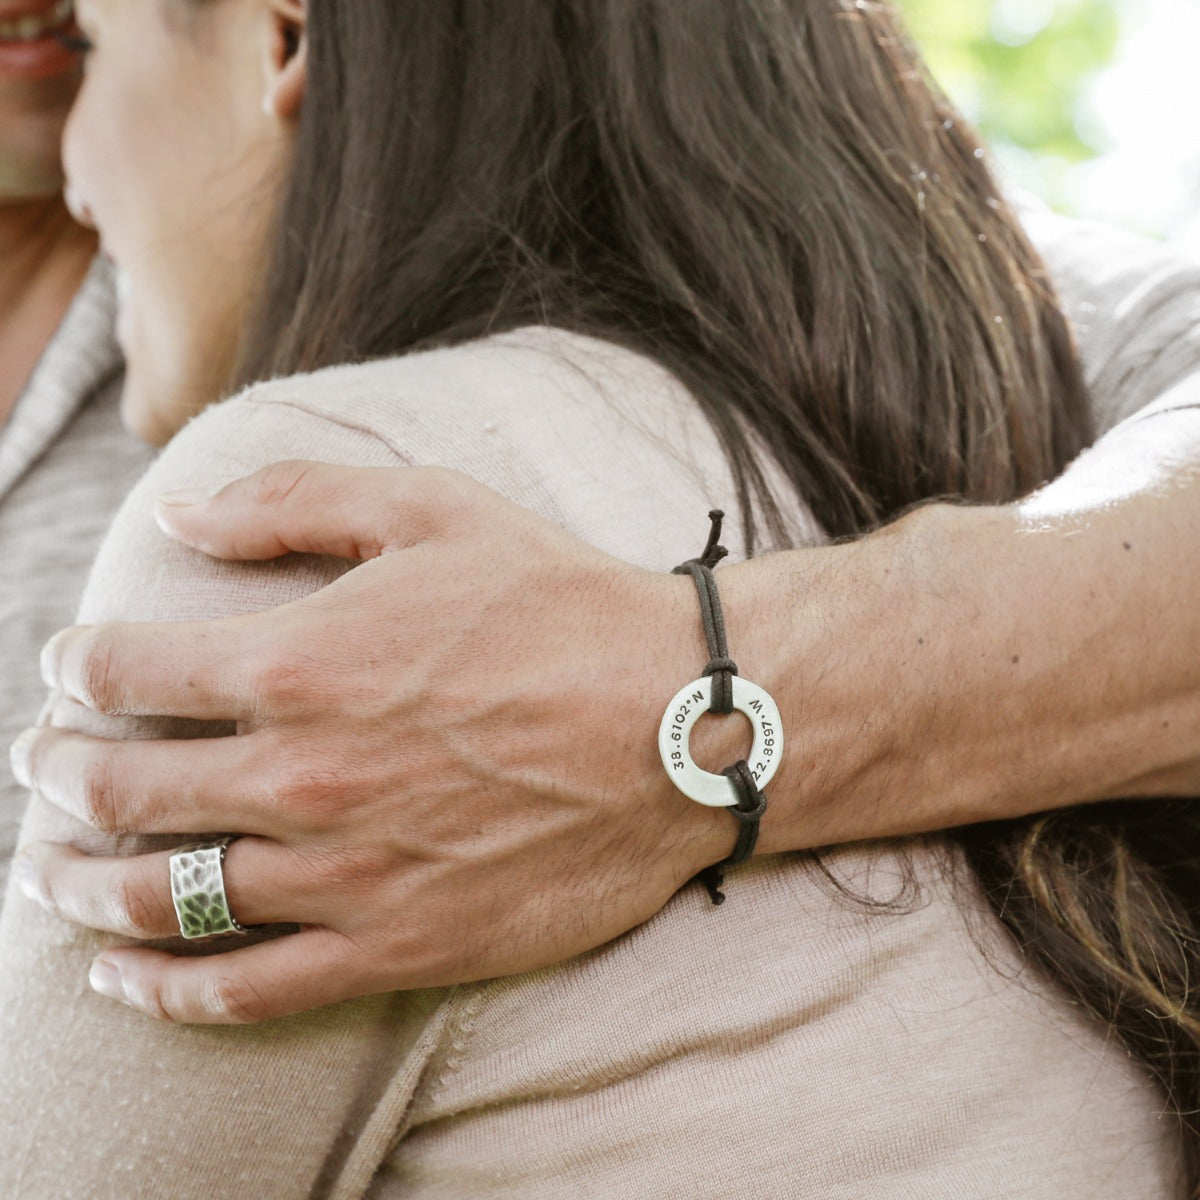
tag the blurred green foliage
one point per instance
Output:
(1020, 69)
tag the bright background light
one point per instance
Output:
(1092, 104)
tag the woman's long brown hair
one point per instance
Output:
(770, 198)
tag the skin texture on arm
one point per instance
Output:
(1022, 658)
(962, 664)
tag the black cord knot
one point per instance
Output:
(748, 811)
(713, 553)
(722, 671)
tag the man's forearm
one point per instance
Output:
(971, 663)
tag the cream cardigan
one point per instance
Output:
(65, 465)
(790, 1044)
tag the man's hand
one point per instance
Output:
(446, 766)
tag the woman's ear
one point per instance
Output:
(285, 70)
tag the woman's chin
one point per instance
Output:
(145, 413)
(157, 403)
(143, 422)
(169, 378)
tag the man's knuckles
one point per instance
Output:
(87, 667)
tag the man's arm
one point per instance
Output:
(962, 664)
(976, 663)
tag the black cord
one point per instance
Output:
(751, 802)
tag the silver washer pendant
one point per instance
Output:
(674, 734)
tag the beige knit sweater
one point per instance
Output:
(792, 1043)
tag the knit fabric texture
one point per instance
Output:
(65, 465)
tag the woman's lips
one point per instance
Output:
(29, 39)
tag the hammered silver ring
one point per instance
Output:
(198, 890)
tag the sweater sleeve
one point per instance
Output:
(1135, 307)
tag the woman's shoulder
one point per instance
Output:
(601, 440)
(596, 437)
(529, 381)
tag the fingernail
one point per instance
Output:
(106, 979)
(18, 758)
(27, 878)
(50, 658)
(186, 497)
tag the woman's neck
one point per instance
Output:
(44, 256)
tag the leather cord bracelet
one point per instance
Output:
(739, 788)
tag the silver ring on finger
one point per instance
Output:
(198, 890)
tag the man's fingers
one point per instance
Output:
(314, 508)
(157, 787)
(290, 974)
(197, 669)
(131, 896)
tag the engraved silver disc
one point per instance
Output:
(674, 735)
